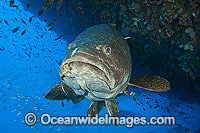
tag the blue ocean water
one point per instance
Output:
(29, 66)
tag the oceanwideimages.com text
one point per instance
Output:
(47, 119)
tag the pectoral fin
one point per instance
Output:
(152, 83)
(61, 91)
(95, 107)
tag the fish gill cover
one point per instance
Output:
(29, 64)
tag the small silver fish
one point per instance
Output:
(128, 37)
(51, 28)
(58, 37)
(41, 10)
(15, 6)
(50, 23)
(28, 4)
(15, 29)
(11, 2)
(23, 32)
(30, 20)
(59, 5)
(133, 94)
(23, 21)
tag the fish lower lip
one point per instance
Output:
(88, 64)
(85, 62)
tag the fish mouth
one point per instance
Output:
(90, 60)
(67, 67)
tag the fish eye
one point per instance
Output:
(108, 50)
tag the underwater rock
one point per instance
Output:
(150, 27)
(134, 30)
(142, 14)
(194, 4)
(189, 30)
(124, 8)
(125, 30)
(143, 31)
(180, 11)
(137, 8)
(187, 46)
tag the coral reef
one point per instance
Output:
(175, 24)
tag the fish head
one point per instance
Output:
(97, 69)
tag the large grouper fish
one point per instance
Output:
(98, 66)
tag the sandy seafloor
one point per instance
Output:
(29, 67)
